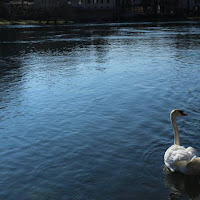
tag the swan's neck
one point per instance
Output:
(175, 127)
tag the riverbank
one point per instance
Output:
(33, 22)
(63, 22)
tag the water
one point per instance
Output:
(84, 110)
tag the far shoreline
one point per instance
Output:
(68, 22)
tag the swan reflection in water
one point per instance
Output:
(181, 185)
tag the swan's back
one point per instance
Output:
(178, 157)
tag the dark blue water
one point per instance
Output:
(84, 110)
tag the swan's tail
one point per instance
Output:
(193, 166)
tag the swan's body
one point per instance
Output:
(177, 157)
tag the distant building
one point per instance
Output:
(197, 6)
(92, 4)
(46, 4)
(177, 7)
(18, 8)
(100, 8)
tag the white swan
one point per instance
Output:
(177, 157)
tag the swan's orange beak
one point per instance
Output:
(184, 114)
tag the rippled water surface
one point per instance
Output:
(84, 110)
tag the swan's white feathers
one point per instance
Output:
(177, 157)
(191, 150)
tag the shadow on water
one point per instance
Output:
(182, 186)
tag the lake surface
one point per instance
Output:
(84, 110)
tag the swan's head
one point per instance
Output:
(176, 113)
